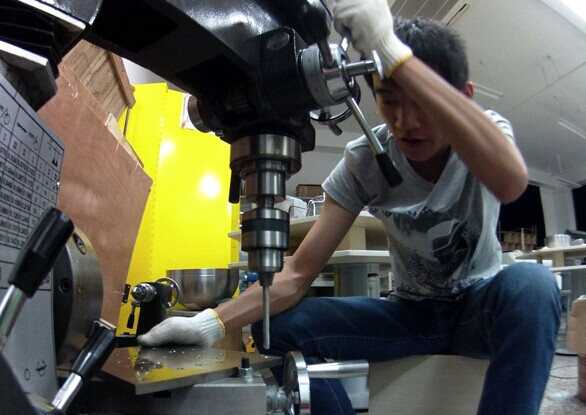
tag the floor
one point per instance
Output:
(562, 387)
(560, 395)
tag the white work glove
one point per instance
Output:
(203, 329)
(370, 26)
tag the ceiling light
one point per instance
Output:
(488, 92)
(572, 128)
(570, 183)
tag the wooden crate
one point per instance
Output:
(103, 73)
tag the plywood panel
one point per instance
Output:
(103, 189)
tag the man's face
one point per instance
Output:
(414, 132)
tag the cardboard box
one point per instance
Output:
(297, 208)
(308, 190)
(426, 384)
(582, 378)
(577, 341)
(577, 326)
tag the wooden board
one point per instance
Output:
(103, 73)
(102, 188)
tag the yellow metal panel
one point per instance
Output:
(188, 217)
(193, 215)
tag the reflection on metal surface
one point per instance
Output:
(148, 370)
(296, 385)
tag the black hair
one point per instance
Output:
(437, 45)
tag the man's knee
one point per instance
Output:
(528, 277)
(531, 287)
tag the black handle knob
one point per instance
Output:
(130, 322)
(234, 192)
(388, 169)
(315, 19)
(95, 352)
(40, 250)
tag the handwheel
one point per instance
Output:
(174, 286)
(296, 384)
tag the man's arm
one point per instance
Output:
(479, 142)
(291, 284)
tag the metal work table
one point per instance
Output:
(148, 370)
(176, 380)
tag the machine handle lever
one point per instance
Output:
(40, 251)
(384, 161)
(130, 322)
(96, 350)
(316, 20)
(338, 370)
(33, 262)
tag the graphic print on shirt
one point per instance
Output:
(436, 245)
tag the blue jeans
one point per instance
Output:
(511, 318)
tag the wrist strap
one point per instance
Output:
(393, 53)
(210, 327)
(219, 321)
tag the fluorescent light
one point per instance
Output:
(570, 183)
(572, 128)
(488, 92)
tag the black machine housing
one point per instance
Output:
(239, 58)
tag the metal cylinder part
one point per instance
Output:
(265, 236)
(10, 308)
(143, 292)
(265, 147)
(337, 370)
(264, 162)
(265, 178)
(77, 295)
(194, 115)
(327, 85)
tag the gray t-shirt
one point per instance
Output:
(441, 236)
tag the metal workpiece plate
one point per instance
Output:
(147, 370)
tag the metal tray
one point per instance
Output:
(148, 370)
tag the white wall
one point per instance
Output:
(558, 210)
(317, 164)
(557, 202)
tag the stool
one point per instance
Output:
(426, 385)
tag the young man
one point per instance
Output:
(458, 164)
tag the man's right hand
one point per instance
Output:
(370, 25)
(203, 329)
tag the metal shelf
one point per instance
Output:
(354, 256)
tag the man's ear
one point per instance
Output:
(468, 89)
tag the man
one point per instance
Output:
(458, 164)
